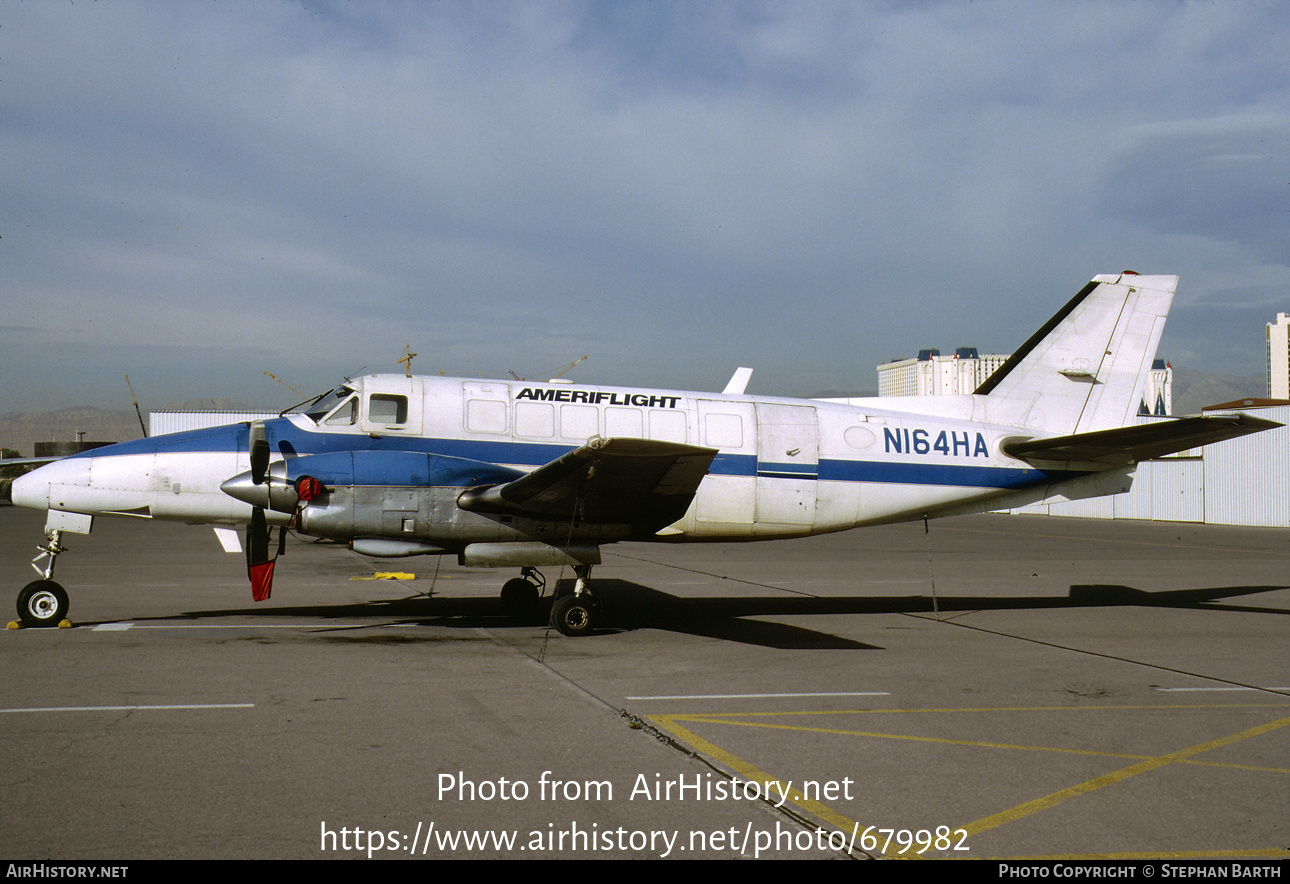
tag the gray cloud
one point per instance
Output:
(675, 189)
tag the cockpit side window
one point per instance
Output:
(344, 416)
(326, 404)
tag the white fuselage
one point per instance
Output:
(785, 467)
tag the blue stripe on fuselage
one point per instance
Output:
(903, 473)
(289, 439)
(767, 470)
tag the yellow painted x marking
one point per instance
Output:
(673, 724)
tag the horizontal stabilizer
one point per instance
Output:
(639, 482)
(1128, 445)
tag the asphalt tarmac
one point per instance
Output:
(1006, 686)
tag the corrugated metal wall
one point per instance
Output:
(160, 422)
(1245, 479)
(1242, 481)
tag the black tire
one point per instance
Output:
(519, 597)
(574, 615)
(42, 603)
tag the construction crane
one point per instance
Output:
(136, 406)
(285, 384)
(555, 372)
(407, 360)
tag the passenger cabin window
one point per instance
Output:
(579, 421)
(627, 422)
(535, 419)
(385, 409)
(485, 416)
(724, 431)
(668, 426)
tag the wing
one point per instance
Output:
(639, 482)
(1127, 445)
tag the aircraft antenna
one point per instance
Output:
(136, 406)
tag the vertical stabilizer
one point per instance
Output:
(1086, 369)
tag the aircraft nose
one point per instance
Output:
(30, 491)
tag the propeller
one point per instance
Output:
(265, 489)
(259, 565)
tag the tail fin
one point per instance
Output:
(1086, 369)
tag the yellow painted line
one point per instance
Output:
(751, 773)
(910, 737)
(388, 575)
(1256, 853)
(705, 719)
(1267, 853)
(687, 715)
(1021, 810)
(672, 724)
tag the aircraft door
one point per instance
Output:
(726, 499)
(391, 406)
(788, 465)
(487, 411)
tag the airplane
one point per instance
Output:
(515, 473)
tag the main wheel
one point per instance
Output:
(573, 615)
(519, 597)
(42, 603)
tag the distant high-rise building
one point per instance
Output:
(932, 374)
(1279, 357)
(1158, 397)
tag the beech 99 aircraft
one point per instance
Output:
(522, 474)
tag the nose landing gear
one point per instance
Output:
(44, 602)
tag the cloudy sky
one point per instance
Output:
(196, 192)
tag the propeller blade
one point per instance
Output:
(259, 449)
(259, 567)
(257, 537)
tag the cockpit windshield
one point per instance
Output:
(323, 406)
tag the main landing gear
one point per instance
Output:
(576, 613)
(520, 595)
(573, 613)
(43, 602)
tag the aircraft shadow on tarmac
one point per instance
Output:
(631, 606)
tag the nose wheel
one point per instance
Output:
(42, 603)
